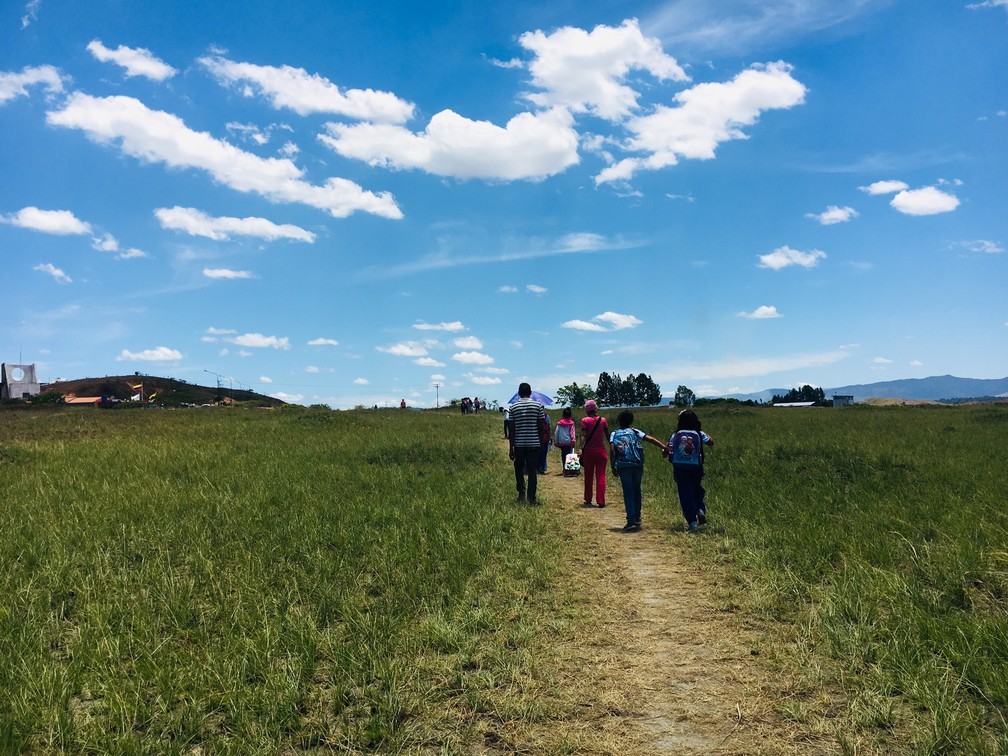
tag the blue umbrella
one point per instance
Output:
(541, 398)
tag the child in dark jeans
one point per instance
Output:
(685, 452)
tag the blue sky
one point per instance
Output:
(353, 203)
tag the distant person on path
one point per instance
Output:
(627, 457)
(507, 421)
(685, 452)
(594, 430)
(545, 447)
(527, 419)
(402, 404)
(565, 436)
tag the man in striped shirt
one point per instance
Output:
(526, 417)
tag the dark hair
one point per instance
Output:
(688, 420)
(524, 390)
(625, 419)
(567, 412)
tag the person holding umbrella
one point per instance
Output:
(527, 419)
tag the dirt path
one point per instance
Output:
(672, 671)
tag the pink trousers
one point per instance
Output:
(593, 467)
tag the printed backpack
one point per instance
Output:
(627, 448)
(686, 448)
(564, 434)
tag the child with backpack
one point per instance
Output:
(627, 457)
(565, 436)
(685, 452)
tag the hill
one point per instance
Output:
(170, 392)
(939, 388)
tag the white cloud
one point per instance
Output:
(226, 273)
(706, 115)
(535, 289)
(585, 71)
(468, 342)
(473, 358)
(361, 381)
(158, 354)
(136, 61)
(259, 341)
(482, 380)
(508, 289)
(197, 223)
(916, 363)
(311, 369)
(746, 367)
(925, 201)
(429, 362)
(833, 214)
(30, 13)
(607, 321)
(108, 243)
(983, 246)
(530, 146)
(584, 325)
(454, 326)
(220, 331)
(988, 4)
(881, 361)
(283, 396)
(784, 257)
(16, 84)
(156, 136)
(884, 187)
(265, 379)
(323, 342)
(58, 275)
(58, 222)
(763, 312)
(305, 93)
(494, 371)
(405, 349)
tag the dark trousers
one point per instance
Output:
(526, 462)
(691, 492)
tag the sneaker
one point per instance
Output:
(693, 527)
(533, 502)
(521, 498)
(702, 517)
(628, 527)
(601, 505)
(637, 525)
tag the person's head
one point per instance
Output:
(625, 419)
(688, 420)
(567, 413)
(591, 407)
(524, 390)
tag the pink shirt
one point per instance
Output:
(597, 440)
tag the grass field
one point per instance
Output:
(235, 581)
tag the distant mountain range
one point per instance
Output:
(936, 388)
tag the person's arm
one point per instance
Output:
(706, 439)
(612, 455)
(511, 435)
(655, 441)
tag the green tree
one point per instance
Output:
(574, 395)
(684, 397)
(646, 392)
(608, 389)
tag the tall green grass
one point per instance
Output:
(881, 536)
(249, 581)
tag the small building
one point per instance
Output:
(82, 401)
(18, 381)
(842, 400)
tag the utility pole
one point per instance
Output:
(219, 376)
(437, 396)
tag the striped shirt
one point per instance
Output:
(525, 417)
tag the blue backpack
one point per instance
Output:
(627, 448)
(686, 448)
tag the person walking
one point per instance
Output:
(594, 430)
(565, 436)
(527, 418)
(685, 452)
(627, 457)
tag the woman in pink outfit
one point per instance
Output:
(594, 431)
